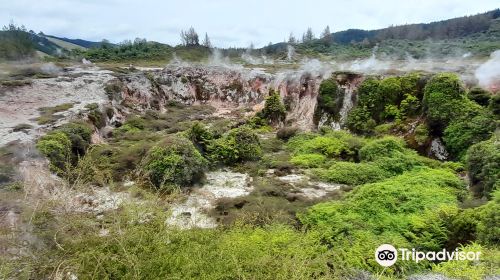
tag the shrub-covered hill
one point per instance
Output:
(318, 203)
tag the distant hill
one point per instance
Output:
(439, 30)
(65, 44)
(476, 35)
(79, 42)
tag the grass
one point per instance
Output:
(49, 114)
(22, 127)
(15, 83)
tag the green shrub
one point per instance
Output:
(56, 146)
(410, 106)
(200, 135)
(389, 91)
(325, 145)
(329, 99)
(113, 89)
(308, 160)
(360, 121)
(350, 173)
(384, 147)
(464, 132)
(274, 110)
(495, 105)
(121, 158)
(444, 98)
(383, 129)
(480, 96)
(412, 85)
(238, 145)
(173, 163)
(473, 270)
(287, 132)
(393, 211)
(368, 95)
(483, 166)
(421, 134)
(223, 150)
(95, 115)
(80, 135)
(399, 162)
(391, 112)
(257, 121)
(488, 227)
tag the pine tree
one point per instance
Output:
(308, 36)
(326, 35)
(274, 110)
(189, 37)
(206, 42)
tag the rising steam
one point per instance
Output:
(488, 73)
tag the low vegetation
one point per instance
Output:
(386, 189)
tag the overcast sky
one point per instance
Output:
(227, 22)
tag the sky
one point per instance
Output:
(229, 23)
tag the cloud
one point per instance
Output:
(228, 22)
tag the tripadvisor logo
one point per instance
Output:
(386, 255)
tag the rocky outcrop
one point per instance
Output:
(223, 88)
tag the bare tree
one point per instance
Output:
(292, 39)
(189, 37)
(206, 42)
(308, 36)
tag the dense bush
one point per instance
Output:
(412, 84)
(200, 135)
(421, 134)
(274, 110)
(393, 211)
(56, 146)
(239, 144)
(410, 106)
(308, 160)
(287, 132)
(80, 135)
(384, 147)
(389, 91)
(350, 173)
(329, 99)
(488, 227)
(59, 151)
(174, 162)
(473, 270)
(495, 105)
(444, 98)
(325, 145)
(480, 96)
(368, 95)
(113, 89)
(360, 121)
(95, 115)
(464, 132)
(483, 166)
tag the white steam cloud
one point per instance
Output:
(488, 73)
